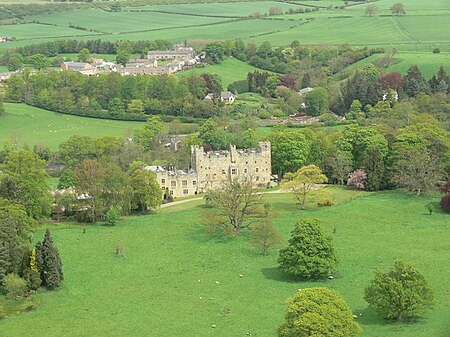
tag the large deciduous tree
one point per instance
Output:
(89, 183)
(371, 10)
(310, 253)
(290, 151)
(414, 167)
(235, 205)
(145, 191)
(305, 184)
(317, 101)
(14, 227)
(318, 312)
(401, 293)
(24, 181)
(398, 8)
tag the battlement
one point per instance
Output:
(199, 152)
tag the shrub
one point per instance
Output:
(357, 179)
(33, 279)
(112, 217)
(436, 51)
(14, 285)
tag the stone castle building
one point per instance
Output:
(210, 169)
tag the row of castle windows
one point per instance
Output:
(185, 191)
(173, 184)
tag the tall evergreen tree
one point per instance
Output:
(374, 166)
(51, 269)
(414, 82)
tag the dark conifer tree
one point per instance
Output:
(50, 261)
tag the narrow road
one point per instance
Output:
(201, 198)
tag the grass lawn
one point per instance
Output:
(230, 70)
(29, 125)
(165, 284)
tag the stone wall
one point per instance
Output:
(214, 167)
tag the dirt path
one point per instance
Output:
(201, 198)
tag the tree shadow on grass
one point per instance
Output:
(203, 234)
(368, 316)
(275, 274)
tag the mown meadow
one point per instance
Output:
(175, 279)
(23, 124)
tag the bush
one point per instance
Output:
(33, 279)
(436, 51)
(112, 217)
(325, 203)
(15, 285)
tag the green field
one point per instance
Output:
(35, 32)
(428, 63)
(170, 263)
(29, 125)
(425, 25)
(230, 70)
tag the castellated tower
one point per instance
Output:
(213, 167)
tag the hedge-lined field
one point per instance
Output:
(425, 25)
(29, 125)
(165, 284)
(230, 70)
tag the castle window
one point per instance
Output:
(257, 170)
(184, 183)
(234, 171)
(245, 170)
(173, 184)
(194, 183)
(171, 192)
(257, 178)
(185, 191)
(163, 181)
(223, 171)
(163, 188)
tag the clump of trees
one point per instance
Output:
(401, 293)
(310, 253)
(114, 96)
(319, 312)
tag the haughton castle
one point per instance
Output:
(209, 170)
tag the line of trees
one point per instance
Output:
(287, 60)
(117, 97)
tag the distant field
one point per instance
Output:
(229, 70)
(425, 26)
(428, 63)
(36, 32)
(29, 125)
(122, 22)
(241, 9)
